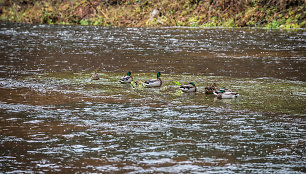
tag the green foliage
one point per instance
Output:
(84, 22)
(229, 23)
(177, 83)
(194, 21)
(181, 23)
(273, 24)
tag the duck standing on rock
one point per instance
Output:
(190, 87)
(154, 82)
(126, 79)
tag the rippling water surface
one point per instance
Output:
(53, 118)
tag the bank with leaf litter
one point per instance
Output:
(155, 13)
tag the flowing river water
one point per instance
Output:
(54, 118)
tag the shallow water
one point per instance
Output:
(55, 119)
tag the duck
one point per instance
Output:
(210, 89)
(154, 82)
(126, 79)
(95, 76)
(190, 87)
(226, 95)
(222, 90)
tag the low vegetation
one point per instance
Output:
(153, 13)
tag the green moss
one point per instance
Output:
(259, 95)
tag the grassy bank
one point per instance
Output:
(150, 13)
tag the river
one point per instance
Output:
(54, 118)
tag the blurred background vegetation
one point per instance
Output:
(150, 13)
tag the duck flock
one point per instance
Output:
(220, 93)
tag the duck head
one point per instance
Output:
(158, 74)
(192, 84)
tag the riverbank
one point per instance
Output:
(154, 13)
